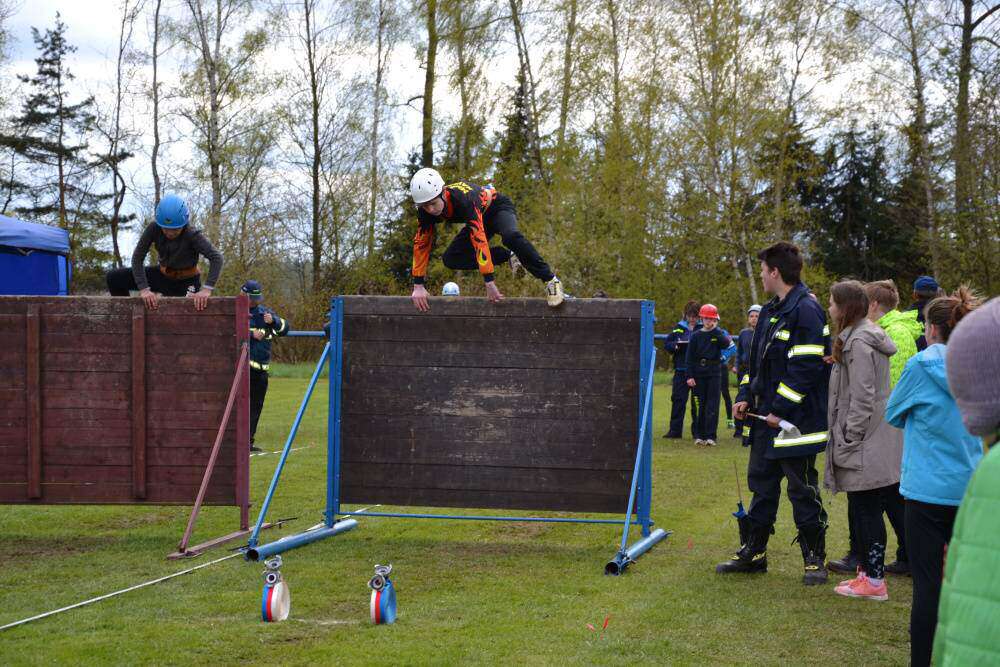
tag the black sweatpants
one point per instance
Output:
(499, 219)
(764, 479)
(706, 394)
(724, 386)
(120, 281)
(928, 531)
(678, 402)
(894, 508)
(258, 390)
(865, 511)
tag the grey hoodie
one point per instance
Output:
(865, 451)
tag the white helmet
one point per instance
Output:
(425, 185)
(450, 289)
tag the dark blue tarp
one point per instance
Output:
(33, 258)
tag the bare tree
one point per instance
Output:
(155, 92)
(427, 129)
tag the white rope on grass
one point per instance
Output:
(131, 588)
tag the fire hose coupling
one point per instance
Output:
(276, 601)
(383, 600)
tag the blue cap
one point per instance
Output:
(925, 284)
(253, 289)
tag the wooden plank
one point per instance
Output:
(86, 362)
(209, 343)
(527, 500)
(162, 418)
(92, 493)
(15, 472)
(194, 362)
(85, 343)
(96, 306)
(189, 325)
(191, 475)
(489, 402)
(241, 417)
(415, 329)
(85, 382)
(138, 401)
(571, 455)
(181, 383)
(481, 307)
(117, 324)
(71, 436)
(33, 399)
(476, 355)
(430, 429)
(122, 456)
(448, 381)
(187, 438)
(15, 454)
(58, 399)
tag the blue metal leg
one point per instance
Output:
(335, 381)
(252, 542)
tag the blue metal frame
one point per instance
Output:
(640, 490)
(336, 343)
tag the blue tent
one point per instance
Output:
(33, 258)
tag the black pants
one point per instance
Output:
(894, 508)
(928, 531)
(258, 390)
(724, 385)
(499, 219)
(120, 281)
(706, 393)
(678, 402)
(764, 479)
(865, 515)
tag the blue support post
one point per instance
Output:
(252, 542)
(336, 346)
(647, 370)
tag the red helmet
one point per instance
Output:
(709, 311)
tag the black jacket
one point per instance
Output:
(704, 352)
(787, 375)
(260, 350)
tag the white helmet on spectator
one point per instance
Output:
(425, 185)
(450, 289)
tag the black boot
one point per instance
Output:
(752, 556)
(812, 542)
(847, 565)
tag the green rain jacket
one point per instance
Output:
(904, 330)
(968, 631)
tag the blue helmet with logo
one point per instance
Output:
(253, 289)
(171, 212)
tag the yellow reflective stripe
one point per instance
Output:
(783, 334)
(789, 393)
(745, 380)
(678, 330)
(255, 330)
(283, 327)
(808, 439)
(773, 320)
(803, 350)
(826, 330)
(259, 366)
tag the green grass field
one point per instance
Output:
(468, 592)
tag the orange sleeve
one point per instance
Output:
(422, 244)
(481, 245)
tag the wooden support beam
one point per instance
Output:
(33, 399)
(139, 400)
(243, 413)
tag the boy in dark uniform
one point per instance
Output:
(704, 357)
(676, 344)
(265, 326)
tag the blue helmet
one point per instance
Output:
(171, 212)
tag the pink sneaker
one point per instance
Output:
(865, 589)
(858, 575)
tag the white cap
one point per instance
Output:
(425, 185)
(450, 289)
(754, 309)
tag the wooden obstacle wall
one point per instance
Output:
(513, 405)
(104, 401)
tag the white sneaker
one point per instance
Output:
(710, 443)
(515, 264)
(554, 292)
(699, 442)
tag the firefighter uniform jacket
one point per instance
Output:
(787, 375)
(676, 344)
(260, 350)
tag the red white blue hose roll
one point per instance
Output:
(275, 603)
(383, 604)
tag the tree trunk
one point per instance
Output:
(567, 75)
(427, 138)
(157, 186)
(317, 156)
(209, 60)
(529, 79)
(380, 63)
(963, 149)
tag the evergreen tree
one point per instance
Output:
(51, 134)
(855, 233)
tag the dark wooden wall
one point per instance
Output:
(514, 405)
(103, 401)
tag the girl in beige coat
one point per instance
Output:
(865, 452)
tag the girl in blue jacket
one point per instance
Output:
(939, 457)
